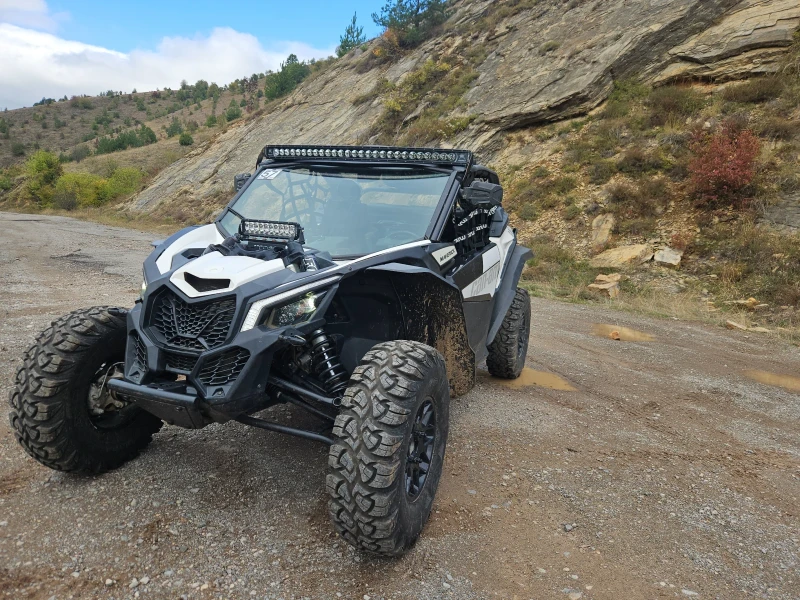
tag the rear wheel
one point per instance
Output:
(390, 437)
(509, 348)
(62, 411)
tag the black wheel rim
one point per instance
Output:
(420, 449)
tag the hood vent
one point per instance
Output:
(206, 285)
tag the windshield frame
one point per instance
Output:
(432, 231)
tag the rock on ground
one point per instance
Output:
(623, 256)
(668, 257)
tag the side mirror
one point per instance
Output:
(239, 180)
(482, 193)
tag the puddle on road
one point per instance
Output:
(767, 378)
(531, 378)
(623, 334)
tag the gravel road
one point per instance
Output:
(614, 469)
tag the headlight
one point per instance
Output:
(297, 312)
(296, 295)
(144, 286)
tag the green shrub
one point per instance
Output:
(284, 81)
(186, 139)
(17, 149)
(133, 138)
(644, 200)
(174, 128)
(79, 153)
(760, 89)
(43, 169)
(5, 182)
(65, 199)
(626, 93)
(211, 120)
(528, 212)
(636, 161)
(779, 128)
(602, 171)
(672, 102)
(233, 112)
(572, 211)
(411, 21)
(540, 172)
(123, 182)
(84, 188)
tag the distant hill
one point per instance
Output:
(61, 126)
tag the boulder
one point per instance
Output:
(610, 288)
(668, 257)
(624, 256)
(602, 226)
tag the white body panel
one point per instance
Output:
(238, 269)
(202, 237)
(504, 243)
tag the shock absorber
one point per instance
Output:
(326, 364)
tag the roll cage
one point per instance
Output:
(459, 164)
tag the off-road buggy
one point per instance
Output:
(360, 284)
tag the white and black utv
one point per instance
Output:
(361, 284)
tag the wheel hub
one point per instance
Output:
(102, 400)
(420, 448)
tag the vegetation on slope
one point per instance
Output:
(690, 167)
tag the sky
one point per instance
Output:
(52, 48)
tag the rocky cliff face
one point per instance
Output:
(545, 60)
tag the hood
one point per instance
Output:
(214, 273)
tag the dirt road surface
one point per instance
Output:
(614, 470)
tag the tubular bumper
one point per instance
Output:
(166, 401)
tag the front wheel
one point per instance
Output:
(509, 348)
(62, 412)
(390, 439)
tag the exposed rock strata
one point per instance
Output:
(598, 41)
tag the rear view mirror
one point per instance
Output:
(482, 193)
(239, 180)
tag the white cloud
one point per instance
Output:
(37, 64)
(30, 13)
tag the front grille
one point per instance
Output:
(223, 368)
(139, 351)
(198, 327)
(178, 363)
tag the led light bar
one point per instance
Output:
(257, 308)
(370, 153)
(269, 230)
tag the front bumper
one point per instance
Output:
(172, 404)
(209, 387)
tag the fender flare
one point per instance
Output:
(508, 287)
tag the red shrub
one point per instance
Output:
(724, 164)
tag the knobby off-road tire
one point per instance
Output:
(398, 397)
(50, 413)
(508, 350)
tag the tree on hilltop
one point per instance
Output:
(412, 20)
(353, 37)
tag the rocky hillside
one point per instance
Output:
(497, 67)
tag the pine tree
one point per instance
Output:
(411, 20)
(353, 37)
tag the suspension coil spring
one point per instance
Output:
(326, 364)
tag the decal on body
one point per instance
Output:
(444, 255)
